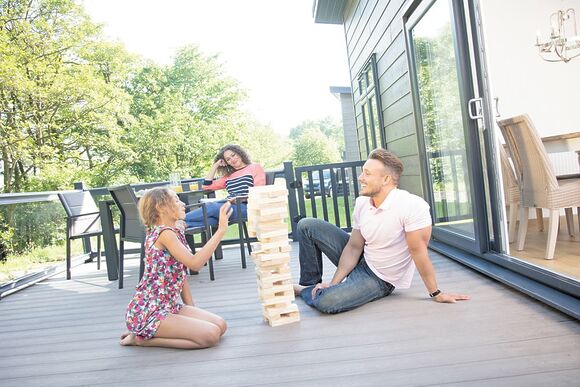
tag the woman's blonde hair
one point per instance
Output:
(150, 203)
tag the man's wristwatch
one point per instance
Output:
(435, 293)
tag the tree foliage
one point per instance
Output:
(76, 107)
(317, 142)
(59, 95)
(314, 147)
(440, 98)
(329, 127)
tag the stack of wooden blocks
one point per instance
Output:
(266, 213)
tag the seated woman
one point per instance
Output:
(238, 174)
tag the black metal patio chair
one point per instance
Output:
(82, 220)
(131, 230)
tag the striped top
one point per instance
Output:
(239, 182)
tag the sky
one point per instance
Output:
(284, 61)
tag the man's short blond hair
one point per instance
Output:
(391, 162)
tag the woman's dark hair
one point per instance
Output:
(228, 169)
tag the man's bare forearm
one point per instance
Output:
(347, 262)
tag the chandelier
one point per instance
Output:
(563, 40)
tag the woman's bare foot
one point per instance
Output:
(129, 339)
(125, 334)
(298, 289)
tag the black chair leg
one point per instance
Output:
(68, 264)
(142, 261)
(190, 239)
(218, 251)
(204, 238)
(242, 247)
(121, 264)
(98, 252)
(247, 236)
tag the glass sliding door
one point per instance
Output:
(440, 71)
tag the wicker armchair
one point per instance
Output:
(539, 187)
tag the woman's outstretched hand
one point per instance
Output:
(225, 213)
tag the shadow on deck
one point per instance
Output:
(65, 333)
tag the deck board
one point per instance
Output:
(65, 333)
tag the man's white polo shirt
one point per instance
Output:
(383, 228)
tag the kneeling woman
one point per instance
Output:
(238, 174)
(155, 316)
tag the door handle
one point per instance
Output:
(497, 113)
(475, 109)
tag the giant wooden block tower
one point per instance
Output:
(266, 214)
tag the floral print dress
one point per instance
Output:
(159, 291)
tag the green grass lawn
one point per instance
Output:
(340, 206)
(36, 259)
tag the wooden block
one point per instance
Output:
(267, 212)
(266, 256)
(276, 300)
(272, 271)
(271, 225)
(283, 232)
(263, 202)
(272, 263)
(274, 239)
(272, 246)
(287, 316)
(276, 294)
(268, 191)
(275, 310)
(284, 249)
(275, 280)
(275, 217)
(284, 319)
(280, 191)
(268, 286)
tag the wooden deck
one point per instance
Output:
(65, 333)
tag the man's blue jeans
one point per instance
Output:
(360, 287)
(195, 218)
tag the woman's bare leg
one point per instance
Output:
(178, 331)
(200, 314)
(158, 342)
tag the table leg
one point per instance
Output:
(109, 241)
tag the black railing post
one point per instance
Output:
(80, 185)
(291, 187)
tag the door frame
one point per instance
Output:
(491, 251)
(467, 90)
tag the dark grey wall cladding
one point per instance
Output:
(373, 26)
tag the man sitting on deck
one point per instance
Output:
(391, 231)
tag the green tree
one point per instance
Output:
(263, 144)
(183, 113)
(60, 103)
(314, 147)
(440, 99)
(329, 127)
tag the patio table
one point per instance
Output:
(108, 227)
